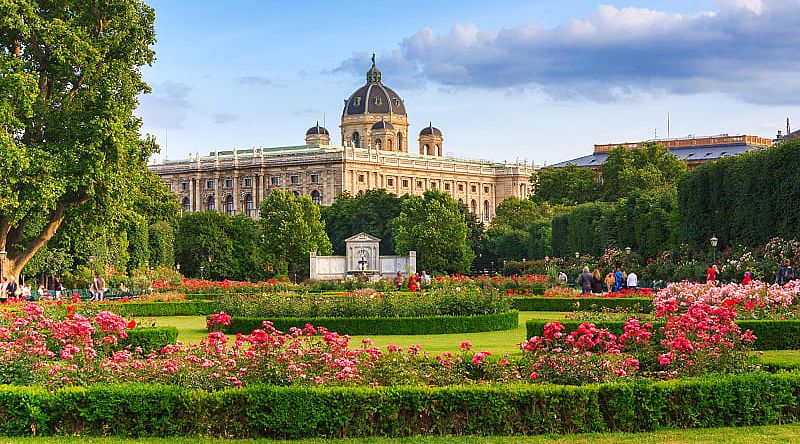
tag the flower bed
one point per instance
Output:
(637, 305)
(201, 286)
(755, 301)
(367, 303)
(432, 325)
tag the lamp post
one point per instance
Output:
(210, 273)
(178, 268)
(491, 268)
(91, 262)
(627, 259)
(3, 254)
(577, 258)
(714, 242)
(201, 271)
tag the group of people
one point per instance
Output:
(415, 281)
(10, 289)
(615, 280)
(784, 275)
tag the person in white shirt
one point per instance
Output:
(633, 281)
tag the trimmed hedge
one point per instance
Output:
(150, 338)
(771, 335)
(180, 308)
(432, 325)
(641, 305)
(305, 412)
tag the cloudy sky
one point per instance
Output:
(503, 80)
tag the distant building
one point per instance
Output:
(374, 154)
(694, 150)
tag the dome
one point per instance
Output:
(430, 130)
(383, 125)
(316, 129)
(374, 97)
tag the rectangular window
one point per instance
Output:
(390, 182)
(209, 184)
(447, 187)
(248, 182)
(405, 183)
(185, 186)
(485, 189)
(461, 187)
(473, 188)
(294, 180)
(433, 185)
(419, 184)
(273, 181)
(361, 178)
(315, 178)
(228, 183)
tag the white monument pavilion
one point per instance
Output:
(362, 259)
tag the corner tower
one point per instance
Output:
(375, 116)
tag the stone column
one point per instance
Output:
(312, 266)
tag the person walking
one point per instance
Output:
(585, 281)
(597, 281)
(711, 275)
(785, 273)
(97, 288)
(610, 281)
(399, 280)
(747, 280)
(618, 279)
(633, 281)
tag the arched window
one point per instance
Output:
(389, 144)
(248, 205)
(316, 197)
(473, 206)
(357, 139)
(486, 210)
(460, 200)
(399, 141)
(426, 149)
(296, 193)
(438, 150)
(210, 203)
(229, 205)
(186, 205)
(378, 143)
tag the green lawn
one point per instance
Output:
(736, 435)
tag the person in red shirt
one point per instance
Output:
(746, 280)
(711, 275)
(412, 282)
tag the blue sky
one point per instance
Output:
(535, 80)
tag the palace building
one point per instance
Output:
(375, 153)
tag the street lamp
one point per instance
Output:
(201, 271)
(210, 274)
(91, 262)
(714, 241)
(3, 254)
(491, 268)
(627, 259)
(178, 268)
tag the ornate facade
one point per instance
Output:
(374, 154)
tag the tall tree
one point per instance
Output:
(433, 225)
(569, 185)
(291, 228)
(370, 211)
(69, 142)
(648, 167)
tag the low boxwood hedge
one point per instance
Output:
(303, 412)
(771, 335)
(150, 338)
(534, 303)
(388, 326)
(178, 308)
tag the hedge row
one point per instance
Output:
(772, 335)
(297, 412)
(640, 305)
(388, 326)
(180, 308)
(150, 338)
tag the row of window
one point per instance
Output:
(186, 204)
(434, 185)
(247, 182)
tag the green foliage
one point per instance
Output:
(370, 212)
(291, 228)
(69, 142)
(648, 167)
(137, 410)
(138, 243)
(201, 236)
(647, 221)
(569, 185)
(560, 234)
(745, 199)
(428, 325)
(434, 226)
(638, 305)
(150, 339)
(161, 244)
(520, 229)
(588, 228)
(182, 308)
